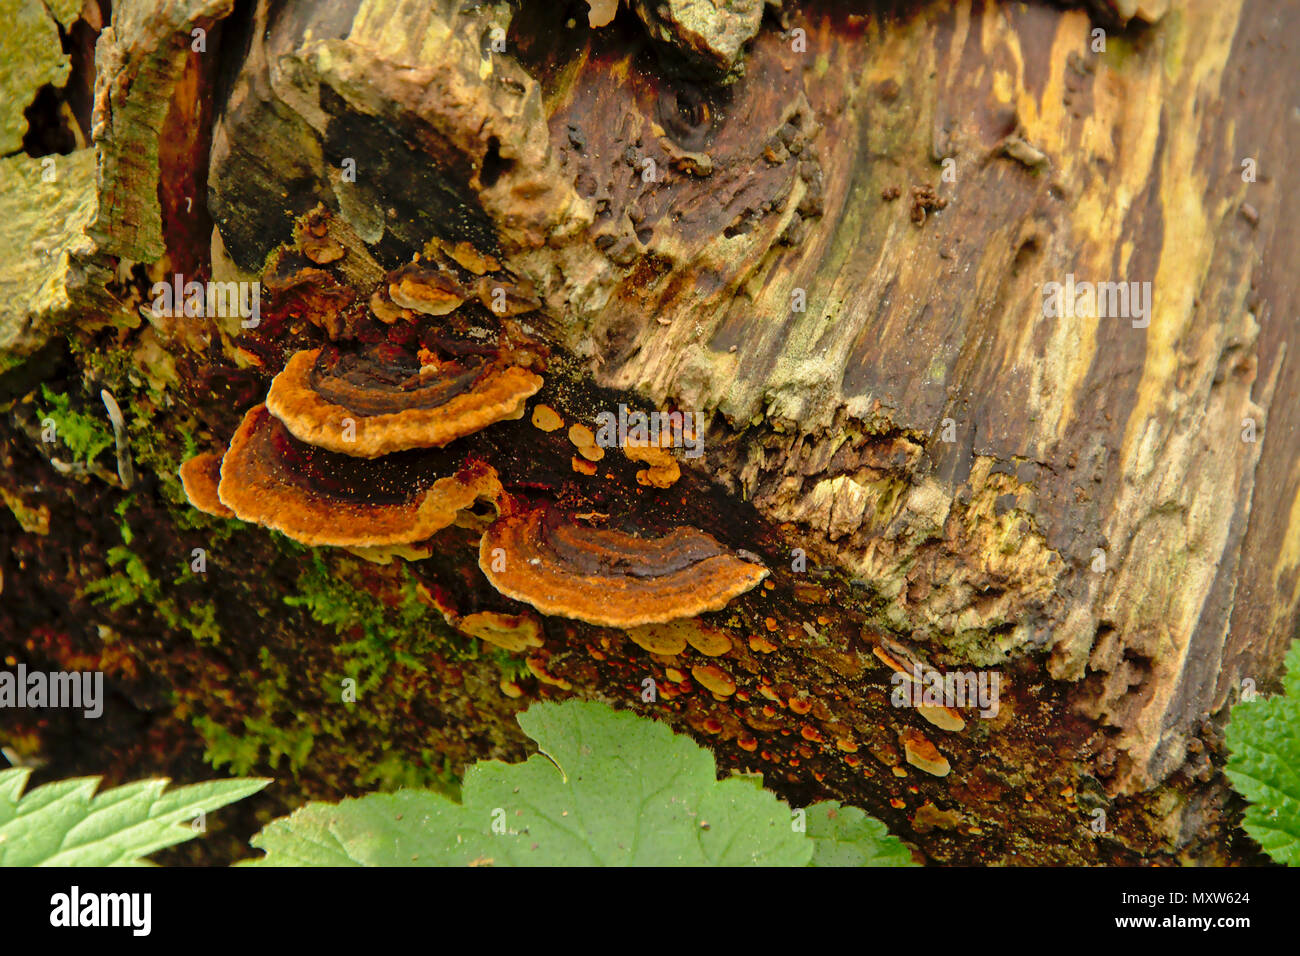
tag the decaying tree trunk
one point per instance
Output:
(828, 228)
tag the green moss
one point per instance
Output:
(131, 584)
(395, 771)
(383, 645)
(512, 666)
(379, 636)
(264, 742)
(83, 435)
(159, 443)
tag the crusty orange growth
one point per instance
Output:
(663, 471)
(319, 498)
(582, 466)
(199, 477)
(467, 257)
(610, 578)
(382, 400)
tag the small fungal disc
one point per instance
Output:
(652, 455)
(386, 311)
(382, 401)
(893, 665)
(538, 669)
(321, 250)
(505, 297)
(708, 640)
(546, 418)
(945, 718)
(658, 638)
(318, 498)
(715, 679)
(923, 755)
(510, 632)
(610, 578)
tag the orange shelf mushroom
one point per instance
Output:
(318, 498)
(610, 578)
(384, 400)
(200, 477)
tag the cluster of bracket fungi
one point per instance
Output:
(347, 451)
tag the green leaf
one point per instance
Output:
(406, 828)
(66, 824)
(1263, 739)
(846, 836)
(608, 788)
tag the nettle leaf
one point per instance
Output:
(608, 788)
(67, 824)
(1264, 765)
(846, 836)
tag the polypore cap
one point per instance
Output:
(319, 498)
(200, 477)
(611, 578)
(383, 400)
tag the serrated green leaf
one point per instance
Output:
(66, 824)
(846, 836)
(1263, 738)
(608, 788)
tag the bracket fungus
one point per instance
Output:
(384, 400)
(922, 754)
(423, 288)
(318, 498)
(200, 476)
(510, 632)
(610, 578)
